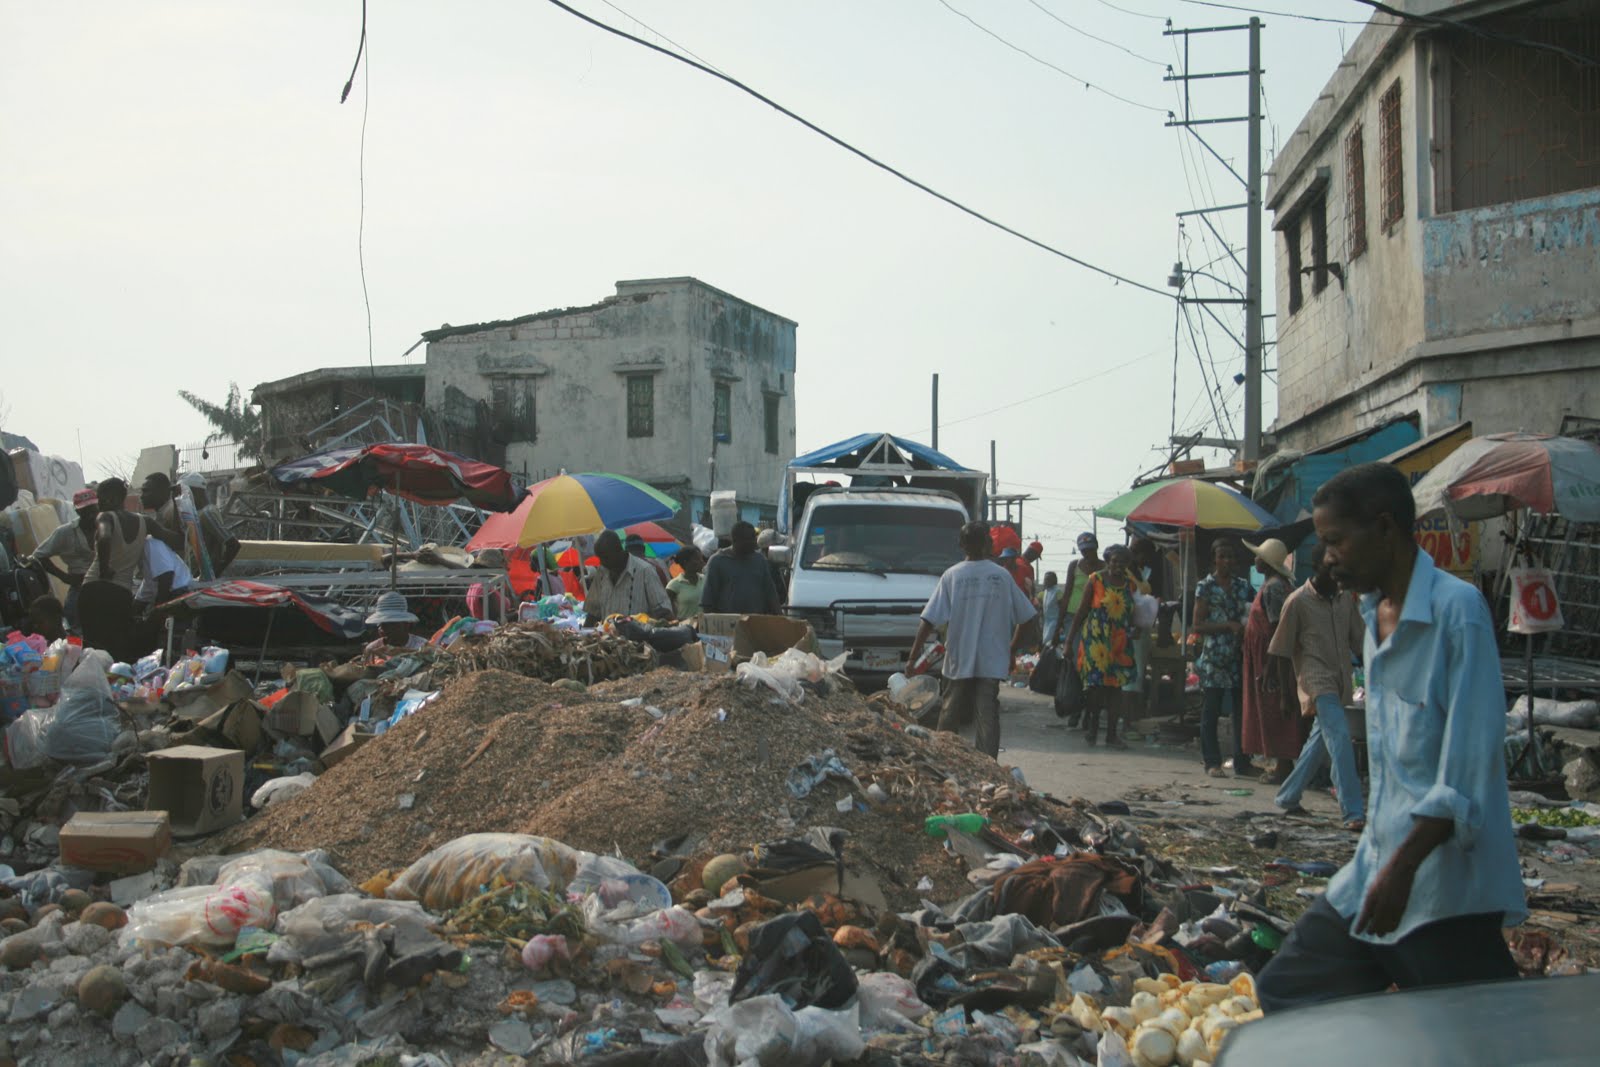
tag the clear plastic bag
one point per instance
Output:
(889, 1003)
(210, 915)
(451, 874)
(766, 1031)
(26, 736)
(86, 724)
(323, 925)
(90, 673)
(292, 879)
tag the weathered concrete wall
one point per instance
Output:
(1526, 263)
(1366, 324)
(684, 334)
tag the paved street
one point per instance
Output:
(1056, 760)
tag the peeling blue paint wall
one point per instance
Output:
(1526, 263)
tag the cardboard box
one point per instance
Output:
(201, 789)
(199, 704)
(716, 637)
(350, 738)
(295, 715)
(116, 842)
(772, 634)
(238, 724)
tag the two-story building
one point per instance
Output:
(670, 381)
(1437, 218)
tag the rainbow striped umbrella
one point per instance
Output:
(570, 505)
(1189, 503)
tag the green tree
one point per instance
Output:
(233, 419)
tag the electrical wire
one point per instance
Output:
(1102, 40)
(1276, 14)
(1045, 62)
(853, 150)
(682, 48)
(1137, 14)
(361, 174)
(944, 424)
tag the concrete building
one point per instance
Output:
(1437, 218)
(300, 412)
(670, 381)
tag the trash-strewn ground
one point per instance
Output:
(1182, 885)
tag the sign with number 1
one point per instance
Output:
(1534, 607)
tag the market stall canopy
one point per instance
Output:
(1489, 476)
(328, 615)
(658, 542)
(873, 460)
(570, 505)
(1189, 503)
(420, 473)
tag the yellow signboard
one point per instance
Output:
(1452, 550)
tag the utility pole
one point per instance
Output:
(1252, 285)
(935, 413)
(1250, 446)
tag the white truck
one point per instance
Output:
(871, 523)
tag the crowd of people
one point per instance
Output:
(119, 562)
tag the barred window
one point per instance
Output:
(722, 412)
(1355, 193)
(773, 414)
(641, 405)
(1390, 156)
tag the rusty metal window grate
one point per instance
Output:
(1390, 156)
(641, 405)
(1355, 193)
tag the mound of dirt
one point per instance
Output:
(501, 752)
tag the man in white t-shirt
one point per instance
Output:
(987, 618)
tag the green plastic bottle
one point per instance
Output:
(968, 823)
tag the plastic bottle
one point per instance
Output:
(969, 823)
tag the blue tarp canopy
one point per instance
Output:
(865, 449)
(876, 459)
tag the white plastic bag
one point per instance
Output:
(766, 1031)
(674, 924)
(320, 925)
(451, 874)
(1146, 610)
(281, 789)
(26, 737)
(86, 723)
(204, 914)
(889, 1003)
(292, 879)
(90, 673)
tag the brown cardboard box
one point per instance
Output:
(295, 715)
(772, 634)
(239, 724)
(204, 703)
(116, 842)
(350, 738)
(716, 636)
(201, 789)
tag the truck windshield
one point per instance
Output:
(882, 538)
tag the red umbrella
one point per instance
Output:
(420, 473)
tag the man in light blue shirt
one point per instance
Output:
(1435, 876)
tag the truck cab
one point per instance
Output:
(864, 563)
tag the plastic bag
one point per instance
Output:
(211, 915)
(292, 879)
(766, 1031)
(784, 674)
(451, 874)
(890, 1003)
(1578, 714)
(90, 673)
(793, 956)
(1146, 610)
(26, 737)
(1112, 1051)
(323, 925)
(281, 789)
(85, 725)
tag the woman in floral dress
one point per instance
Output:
(1104, 621)
(1222, 601)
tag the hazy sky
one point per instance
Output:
(179, 203)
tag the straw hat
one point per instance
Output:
(1274, 553)
(391, 607)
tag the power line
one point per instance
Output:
(943, 423)
(1045, 62)
(1102, 40)
(1130, 11)
(1275, 14)
(853, 150)
(361, 172)
(682, 48)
